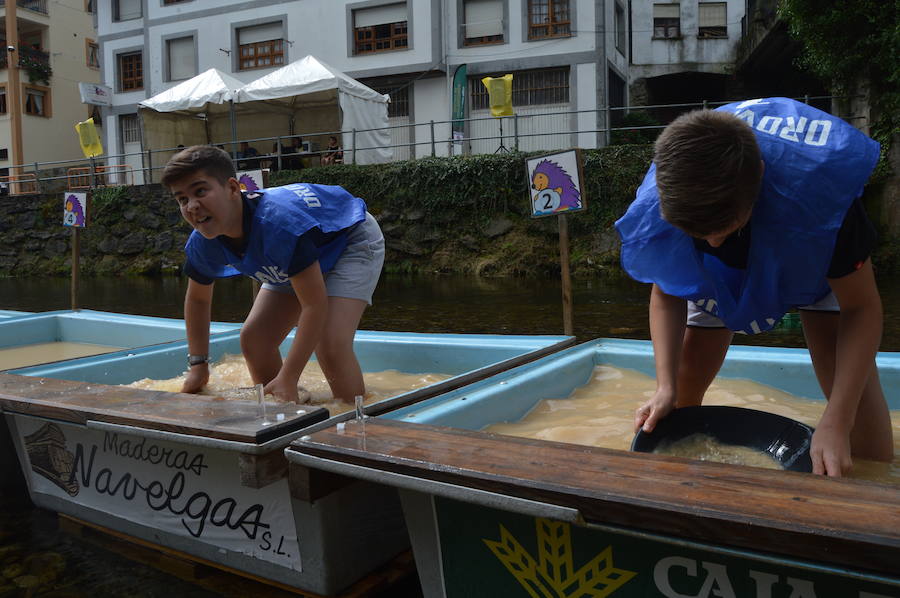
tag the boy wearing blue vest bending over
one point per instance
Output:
(747, 211)
(316, 250)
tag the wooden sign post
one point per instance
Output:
(75, 212)
(555, 183)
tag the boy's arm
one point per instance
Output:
(859, 335)
(309, 286)
(668, 316)
(197, 315)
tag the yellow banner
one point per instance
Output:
(89, 139)
(499, 94)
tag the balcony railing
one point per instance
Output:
(35, 62)
(35, 5)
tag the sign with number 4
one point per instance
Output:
(75, 210)
(555, 183)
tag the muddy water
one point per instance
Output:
(230, 379)
(706, 448)
(25, 355)
(601, 413)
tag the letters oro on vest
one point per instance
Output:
(810, 157)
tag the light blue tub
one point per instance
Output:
(11, 313)
(466, 357)
(509, 396)
(95, 327)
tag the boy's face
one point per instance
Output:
(716, 239)
(209, 206)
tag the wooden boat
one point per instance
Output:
(207, 477)
(493, 515)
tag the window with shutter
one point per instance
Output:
(666, 21)
(380, 28)
(713, 21)
(261, 46)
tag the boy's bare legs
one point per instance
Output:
(702, 354)
(335, 350)
(271, 318)
(872, 436)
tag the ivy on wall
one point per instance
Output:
(467, 189)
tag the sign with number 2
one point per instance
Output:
(555, 183)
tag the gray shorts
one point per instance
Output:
(356, 272)
(704, 319)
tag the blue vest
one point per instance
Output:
(281, 216)
(816, 165)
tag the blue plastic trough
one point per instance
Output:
(95, 327)
(509, 396)
(11, 313)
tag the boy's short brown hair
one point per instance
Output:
(214, 161)
(708, 171)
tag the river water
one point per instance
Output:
(612, 306)
(602, 308)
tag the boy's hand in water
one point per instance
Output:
(830, 450)
(196, 378)
(648, 415)
(287, 391)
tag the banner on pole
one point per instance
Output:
(459, 103)
(499, 94)
(88, 138)
(75, 210)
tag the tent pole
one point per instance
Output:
(233, 127)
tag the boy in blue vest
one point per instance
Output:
(316, 250)
(747, 211)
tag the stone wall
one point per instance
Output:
(139, 230)
(133, 230)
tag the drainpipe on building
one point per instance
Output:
(14, 93)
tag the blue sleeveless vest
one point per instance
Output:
(816, 165)
(281, 216)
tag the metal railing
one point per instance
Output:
(432, 138)
(27, 58)
(35, 5)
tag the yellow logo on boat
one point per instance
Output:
(554, 574)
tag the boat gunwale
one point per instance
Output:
(848, 522)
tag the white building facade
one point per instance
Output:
(687, 48)
(565, 57)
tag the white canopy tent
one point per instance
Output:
(306, 97)
(313, 97)
(193, 112)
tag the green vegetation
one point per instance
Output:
(471, 214)
(852, 45)
(472, 189)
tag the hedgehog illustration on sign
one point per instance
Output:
(556, 192)
(247, 182)
(73, 214)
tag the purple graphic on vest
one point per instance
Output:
(74, 215)
(549, 175)
(247, 183)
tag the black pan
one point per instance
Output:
(784, 439)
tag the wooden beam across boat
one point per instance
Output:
(839, 522)
(195, 415)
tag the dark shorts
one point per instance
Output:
(703, 319)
